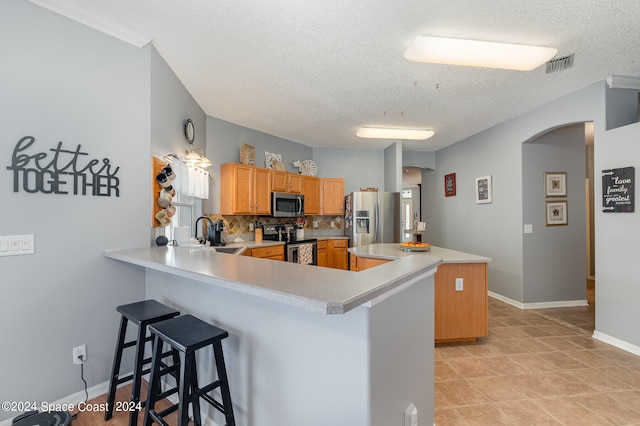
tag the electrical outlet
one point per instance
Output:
(459, 284)
(79, 354)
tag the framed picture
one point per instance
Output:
(483, 190)
(450, 185)
(555, 184)
(557, 213)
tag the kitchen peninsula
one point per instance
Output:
(308, 345)
(461, 288)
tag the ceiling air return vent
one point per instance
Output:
(560, 64)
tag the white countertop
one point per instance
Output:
(392, 252)
(324, 290)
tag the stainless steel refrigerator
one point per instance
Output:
(373, 217)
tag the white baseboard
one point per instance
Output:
(539, 305)
(621, 344)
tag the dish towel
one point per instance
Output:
(305, 254)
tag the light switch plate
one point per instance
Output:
(528, 229)
(16, 245)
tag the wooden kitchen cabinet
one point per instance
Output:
(461, 315)
(312, 195)
(358, 263)
(338, 257)
(271, 252)
(333, 196)
(286, 182)
(244, 189)
(322, 253)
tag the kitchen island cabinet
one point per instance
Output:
(307, 345)
(461, 289)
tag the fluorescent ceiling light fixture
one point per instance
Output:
(474, 53)
(388, 133)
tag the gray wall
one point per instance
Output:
(419, 159)
(61, 81)
(171, 106)
(617, 282)
(224, 140)
(554, 267)
(393, 167)
(361, 168)
(496, 230)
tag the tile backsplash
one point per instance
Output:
(240, 224)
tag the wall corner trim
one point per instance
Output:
(92, 20)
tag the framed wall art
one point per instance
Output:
(557, 213)
(450, 185)
(484, 190)
(555, 184)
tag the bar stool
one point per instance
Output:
(188, 334)
(142, 314)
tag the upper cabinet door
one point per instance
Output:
(311, 190)
(262, 191)
(295, 183)
(279, 181)
(333, 196)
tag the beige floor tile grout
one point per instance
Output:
(542, 366)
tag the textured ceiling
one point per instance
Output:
(314, 71)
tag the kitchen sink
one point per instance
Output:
(230, 250)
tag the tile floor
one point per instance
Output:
(537, 367)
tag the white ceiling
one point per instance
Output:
(314, 71)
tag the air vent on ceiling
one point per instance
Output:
(560, 63)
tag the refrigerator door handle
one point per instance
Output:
(376, 235)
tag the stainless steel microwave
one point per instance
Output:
(287, 205)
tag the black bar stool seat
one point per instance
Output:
(187, 334)
(141, 314)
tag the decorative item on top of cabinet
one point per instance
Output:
(244, 190)
(248, 154)
(270, 157)
(306, 167)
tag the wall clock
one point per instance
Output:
(189, 131)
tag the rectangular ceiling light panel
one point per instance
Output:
(390, 133)
(474, 53)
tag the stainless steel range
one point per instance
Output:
(296, 251)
